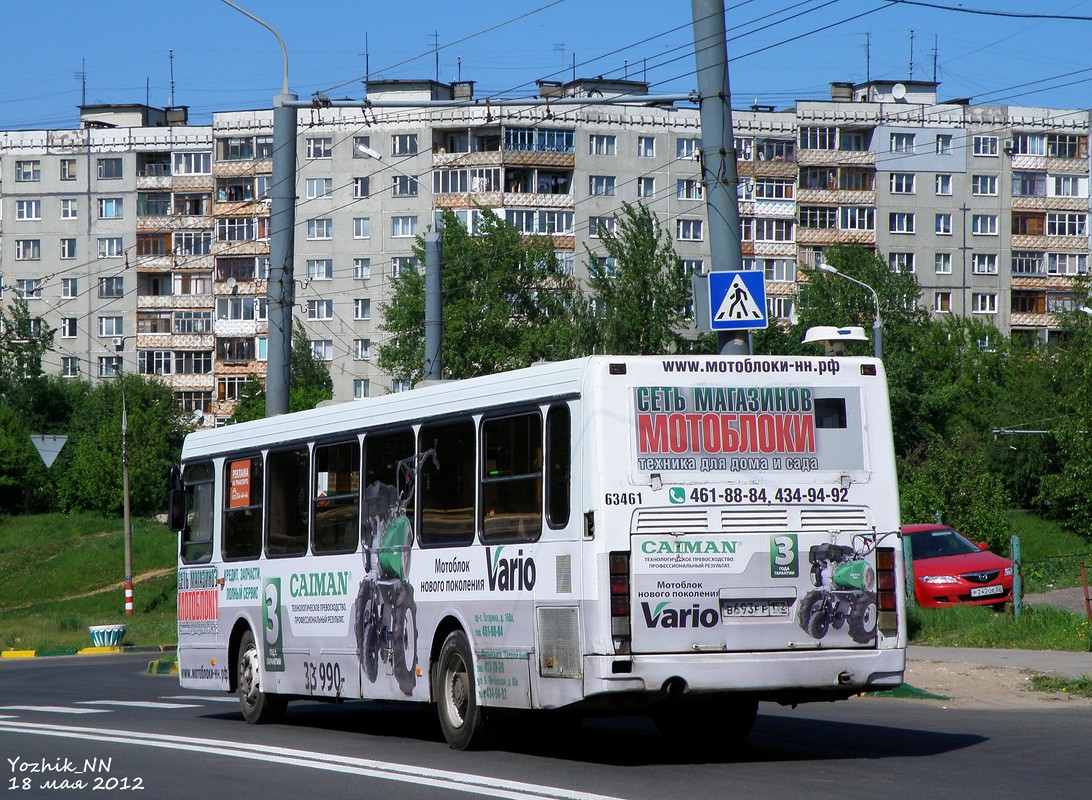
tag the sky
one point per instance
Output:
(779, 52)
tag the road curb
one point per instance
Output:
(163, 666)
(87, 651)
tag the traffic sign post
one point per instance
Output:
(730, 300)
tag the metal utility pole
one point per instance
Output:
(282, 221)
(718, 152)
(434, 366)
(127, 520)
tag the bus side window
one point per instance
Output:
(830, 412)
(196, 541)
(447, 493)
(388, 496)
(336, 498)
(243, 508)
(559, 468)
(512, 479)
(286, 506)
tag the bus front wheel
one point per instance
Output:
(259, 707)
(461, 718)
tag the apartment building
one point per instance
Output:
(145, 241)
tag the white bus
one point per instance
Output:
(677, 537)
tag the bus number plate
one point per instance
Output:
(733, 609)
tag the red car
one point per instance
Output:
(949, 569)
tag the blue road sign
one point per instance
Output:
(737, 300)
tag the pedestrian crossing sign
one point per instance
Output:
(737, 300)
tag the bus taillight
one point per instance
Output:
(619, 601)
(887, 590)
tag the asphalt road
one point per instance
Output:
(106, 717)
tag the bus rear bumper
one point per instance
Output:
(783, 677)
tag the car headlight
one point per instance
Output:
(1008, 571)
(939, 579)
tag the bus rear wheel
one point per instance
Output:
(259, 707)
(462, 720)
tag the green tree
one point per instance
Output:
(949, 476)
(309, 381)
(641, 293)
(24, 340)
(24, 480)
(90, 464)
(505, 305)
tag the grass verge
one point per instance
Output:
(1050, 683)
(1051, 555)
(1039, 628)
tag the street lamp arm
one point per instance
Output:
(268, 27)
(877, 326)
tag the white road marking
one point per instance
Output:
(136, 704)
(214, 698)
(348, 765)
(54, 709)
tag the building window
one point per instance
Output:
(402, 227)
(400, 264)
(319, 187)
(984, 145)
(154, 362)
(646, 147)
(320, 147)
(944, 224)
(984, 224)
(857, 218)
(28, 171)
(109, 366)
(901, 262)
(111, 326)
(687, 147)
(819, 217)
(404, 144)
(68, 327)
(69, 169)
(401, 385)
(403, 186)
(70, 367)
(900, 222)
(813, 138)
(320, 309)
(773, 230)
(362, 269)
(361, 388)
(1028, 184)
(689, 189)
(28, 249)
(111, 287)
(744, 148)
(1029, 144)
(942, 263)
(362, 227)
(1067, 263)
(1066, 145)
(362, 308)
(902, 142)
(601, 185)
(193, 163)
(111, 207)
(320, 269)
(362, 349)
(29, 288)
(774, 188)
(361, 146)
(942, 302)
(110, 168)
(1063, 224)
(192, 243)
(323, 349)
(68, 208)
(241, 308)
(944, 144)
(320, 228)
(361, 188)
(944, 185)
(69, 288)
(984, 263)
(779, 307)
(601, 145)
(1069, 185)
(597, 226)
(688, 230)
(1027, 263)
(646, 187)
(902, 183)
(775, 150)
(984, 184)
(983, 303)
(28, 209)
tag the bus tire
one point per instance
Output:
(404, 656)
(862, 621)
(259, 707)
(462, 720)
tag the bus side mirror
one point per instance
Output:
(176, 512)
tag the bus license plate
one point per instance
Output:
(755, 608)
(986, 591)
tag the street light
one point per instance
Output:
(119, 347)
(877, 326)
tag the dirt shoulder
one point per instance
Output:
(972, 686)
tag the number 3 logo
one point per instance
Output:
(272, 612)
(784, 561)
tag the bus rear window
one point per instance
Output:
(830, 412)
(197, 535)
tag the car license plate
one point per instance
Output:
(755, 608)
(986, 591)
